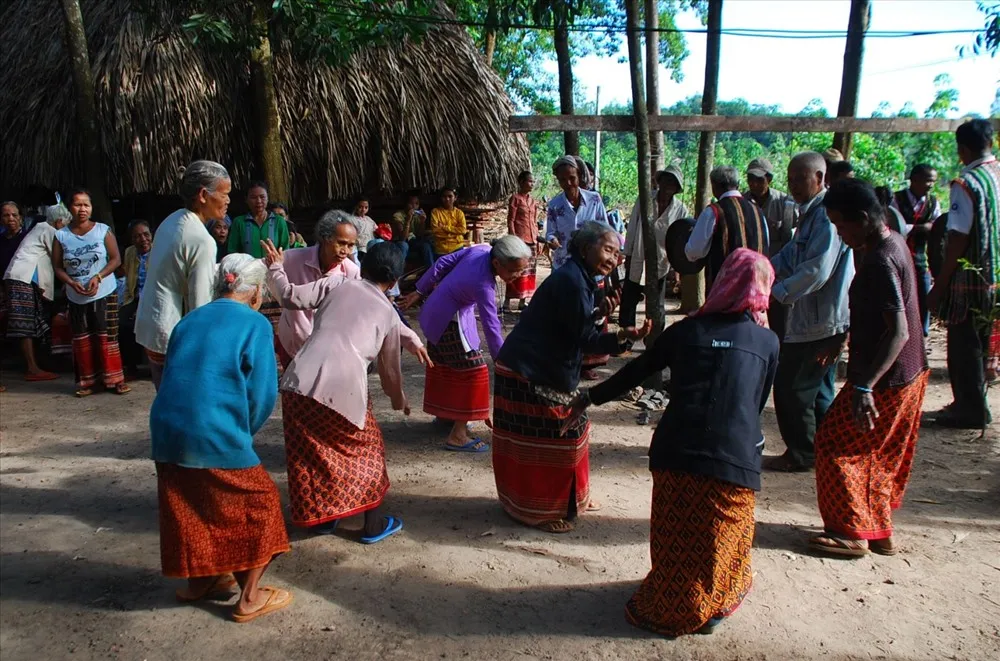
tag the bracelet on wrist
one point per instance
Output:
(863, 389)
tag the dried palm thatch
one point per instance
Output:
(417, 115)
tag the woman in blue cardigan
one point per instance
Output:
(220, 512)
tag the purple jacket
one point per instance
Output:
(455, 283)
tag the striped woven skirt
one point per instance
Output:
(458, 386)
(95, 342)
(861, 475)
(541, 474)
(524, 285)
(28, 313)
(335, 470)
(215, 521)
(701, 532)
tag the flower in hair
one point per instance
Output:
(230, 278)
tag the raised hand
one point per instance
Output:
(272, 255)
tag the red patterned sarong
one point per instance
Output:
(458, 386)
(523, 286)
(215, 521)
(541, 475)
(335, 470)
(701, 531)
(861, 475)
(156, 358)
(95, 342)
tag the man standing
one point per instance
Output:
(669, 208)
(781, 214)
(729, 223)
(248, 230)
(813, 275)
(919, 208)
(962, 295)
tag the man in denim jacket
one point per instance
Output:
(814, 272)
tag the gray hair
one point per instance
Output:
(326, 227)
(812, 161)
(589, 234)
(510, 248)
(201, 174)
(565, 161)
(725, 176)
(239, 273)
(56, 213)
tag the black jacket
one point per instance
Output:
(722, 368)
(546, 346)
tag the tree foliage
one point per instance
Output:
(987, 41)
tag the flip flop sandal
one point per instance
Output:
(558, 527)
(121, 389)
(849, 548)
(883, 546)
(593, 507)
(328, 528)
(392, 526)
(277, 600)
(222, 590)
(41, 376)
(475, 446)
(84, 392)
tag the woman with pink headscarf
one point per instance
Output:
(705, 455)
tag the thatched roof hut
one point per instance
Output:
(417, 115)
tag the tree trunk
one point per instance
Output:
(656, 156)
(693, 287)
(266, 114)
(86, 111)
(850, 83)
(654, 297)
(571, 139)
(490, 47)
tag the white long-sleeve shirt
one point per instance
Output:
(179, 278)
(700, 241)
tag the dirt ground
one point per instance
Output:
(79, 574)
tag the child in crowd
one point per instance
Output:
(366, 226)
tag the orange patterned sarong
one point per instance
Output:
(701, 531)
(216, 521)
(861, 475)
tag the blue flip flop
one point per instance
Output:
(327, 528)
(392, 526)
(469, 447)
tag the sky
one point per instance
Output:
(792, 72)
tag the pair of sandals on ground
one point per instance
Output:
(118, 389)
(852, 548)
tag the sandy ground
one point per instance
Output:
(80, 564)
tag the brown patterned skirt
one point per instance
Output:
(216, 521)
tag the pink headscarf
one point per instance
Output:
(743, 284)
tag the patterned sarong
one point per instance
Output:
(861, 475)
(95, 342)
(524, 285)
(701, 531)
(215, 521)
(458, 386)
(335, 470)
(541, 475)
(28, 312)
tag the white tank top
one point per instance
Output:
(83, 258)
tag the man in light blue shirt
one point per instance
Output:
(813, 274)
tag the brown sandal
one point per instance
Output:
(223, 588)
(557, 527)
(850, 548)
(593, 506)
(276, 600)
(122, 389)
(84, 392)
(883, 546)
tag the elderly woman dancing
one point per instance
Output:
(220, 512)
(542, 469)
(866, 443)
(333, 444)
(458, 385)
(337, 235)
(705, 455)
(30, 287)
(181, 265)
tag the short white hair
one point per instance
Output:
(57, 212)
(510, 248)
(239, 273)
(326, 226)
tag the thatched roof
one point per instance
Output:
(418, 115)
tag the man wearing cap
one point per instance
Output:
(669, 208)
(781, 213)
(729, 223)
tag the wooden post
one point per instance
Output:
(850, 83)
(564, 63)
(656, 155)
(265, 110)
(86, 111)
(693, 287)
(597, 145)
(654, 306)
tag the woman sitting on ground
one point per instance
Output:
(30, 287)
(458, 385)
(706, 451)
(866, 443)
(84, 258)
(333, 444)
(542, 469)
(220, 512)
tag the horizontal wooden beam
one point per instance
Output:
(735, 124)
